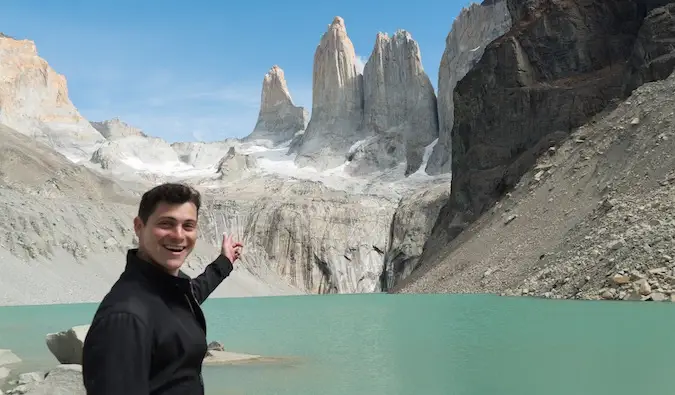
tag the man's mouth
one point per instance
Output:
(174, 248)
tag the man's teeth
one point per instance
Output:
(174, 248)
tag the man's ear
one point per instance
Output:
(138, 226)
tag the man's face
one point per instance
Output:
(169, 235)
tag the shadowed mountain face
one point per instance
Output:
(559, 65)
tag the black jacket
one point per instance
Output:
(148, 336)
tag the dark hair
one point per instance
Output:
(172, 193)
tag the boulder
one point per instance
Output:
(64, 379)
(67, 345)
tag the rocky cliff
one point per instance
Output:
(400, 115)
(474, 28)
(34, 101)
(560, 64)
(337, 102)
(593, 219)
(279, 119)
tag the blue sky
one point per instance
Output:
(188, 71)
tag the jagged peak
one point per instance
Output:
(275, 90)
(116, 128)
(338, 24)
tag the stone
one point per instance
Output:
(657, 297)
(64, 379)
(279, 120)
(216, 346)
(643, 287)
(67, 345)
(620, 279)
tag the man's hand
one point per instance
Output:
(231, 249)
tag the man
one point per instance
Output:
(148, 336)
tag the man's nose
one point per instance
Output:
(178, 232)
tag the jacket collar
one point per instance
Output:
(155, 274)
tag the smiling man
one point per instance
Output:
(148, 335)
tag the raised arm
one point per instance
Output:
(214, 274)
(116, 356)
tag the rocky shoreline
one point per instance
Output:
(65, 378)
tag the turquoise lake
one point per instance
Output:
(412, 344)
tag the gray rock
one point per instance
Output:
(279, 119)
(67, 345)
(65, 379)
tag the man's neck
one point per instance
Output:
(146, 257)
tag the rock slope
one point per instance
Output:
(399, 107)
(337, 102)
(538, 94)
(34, 101)
(591, 220)
(279, 119)
(474, 28)
(115, 128)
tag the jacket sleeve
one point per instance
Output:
(217, 271)
(116, 356)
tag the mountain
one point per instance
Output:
(546, 166)
(34, 101)
(385, 186)
(279, 119)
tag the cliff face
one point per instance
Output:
(318, 239)
(473, 29)
(399, 107)
(560, 64)
(279, 119)
(337, 102)
(34, 101)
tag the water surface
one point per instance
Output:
(412, 344)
